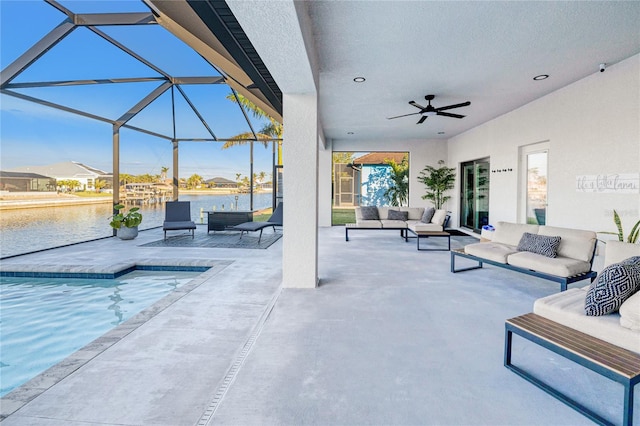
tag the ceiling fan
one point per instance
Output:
(430, 110)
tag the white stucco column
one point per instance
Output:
(300, 160)
(325, 158)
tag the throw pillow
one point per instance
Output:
(428, 215)
(369, 213)
(439, 217)
(615, 284)
(397, 215)
(540, 244)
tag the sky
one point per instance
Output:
(32, 134)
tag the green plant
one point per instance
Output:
(398, 191)
(633, 236)
(438, 181)
(131, 219)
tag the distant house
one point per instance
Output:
(364, 180)
(26, 182)
(220, 182)
(70, 170)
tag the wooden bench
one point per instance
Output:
(602, 357)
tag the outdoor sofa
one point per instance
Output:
(596, 326)
(404, 219)
(563, 255)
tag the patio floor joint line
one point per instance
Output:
(232, 372)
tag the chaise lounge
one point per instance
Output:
(273, 221)
(178, 217)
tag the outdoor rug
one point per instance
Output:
(217, 239)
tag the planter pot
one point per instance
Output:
(125, 233)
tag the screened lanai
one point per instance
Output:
(108, 84)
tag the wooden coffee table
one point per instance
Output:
(434, 234)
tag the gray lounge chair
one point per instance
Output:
(177, 216)
(273, 221)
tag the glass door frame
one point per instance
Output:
(480, 195)
(525, 151)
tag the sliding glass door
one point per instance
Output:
(474, 195)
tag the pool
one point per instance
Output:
(44, 320)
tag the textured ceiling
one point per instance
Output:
(483, 52)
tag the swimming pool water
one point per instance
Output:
(44, 320)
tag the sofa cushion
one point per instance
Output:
(617, 251)
(540, 244)
(397, 215)
(575, 243)
(386, 223)
(510, 233)
(615, 284)
(419, 226)
(428, 215)
(369, 224)
(630, 312)
(559, 266)
(369, 213)
(567, 308)
(414, 213)
(439, 216)
(491, 251)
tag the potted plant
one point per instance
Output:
(634, 234)
(126, 225)
(438, 181)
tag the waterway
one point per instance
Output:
(31, 229)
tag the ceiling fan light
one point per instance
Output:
(430, 113)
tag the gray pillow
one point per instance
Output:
(615, 284)
(369, 213)
(397, 215)
(428, 215)
(540, 244)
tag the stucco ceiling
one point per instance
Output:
(483, 52)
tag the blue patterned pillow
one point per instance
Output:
(369, 213)
(540, 244)
(397, 215)
(615, 284)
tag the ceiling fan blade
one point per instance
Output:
(448, 114)
(464, 104)
(417, 105)
(405, 115)
(424, 117)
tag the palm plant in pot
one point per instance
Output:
(126, 224)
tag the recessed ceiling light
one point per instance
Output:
(359, 79)
(541, 77)
(349, 133)
(441, 133)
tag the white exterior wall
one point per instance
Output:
(593, 128)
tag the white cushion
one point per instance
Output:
(510, 233)
(567, 308)
(617, 251)
(439, 217)
(560, 266)
(383, 212)
(415, 213)
(368, 224)
(491, 251)
(420, 226)
(393, 223)
(574, 243)
(630, 312)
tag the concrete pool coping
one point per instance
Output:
(18, 397)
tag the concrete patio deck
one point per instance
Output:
(389, 337)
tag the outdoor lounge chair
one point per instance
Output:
(177, 216)
(273, 221)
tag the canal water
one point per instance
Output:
(31, 229)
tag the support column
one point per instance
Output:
(176, 180)
(300, 160)
(115, 178)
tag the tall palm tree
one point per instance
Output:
(272, 130)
